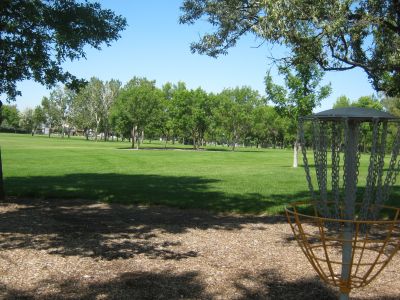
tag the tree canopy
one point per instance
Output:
(337, 35)
(36, 37)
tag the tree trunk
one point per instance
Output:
(133, 134)
(49, 131)
(295, 153)
(2, 191)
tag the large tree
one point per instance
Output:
(136, 106)
(37, 37)
(234, 112)
(337, 34)
(10, 117)
(109, 94)
(301, 94)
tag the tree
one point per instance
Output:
(368, 102)
(50, 111)
(234, 112)
(109, 94)
(61, 99)
(135, 106)
(10, 117)
(27, 122)
(301, 95)
(392, 105)
(267, 126)
(342, 101)
(164, 122)
(366, 129)
(38, 36)
(337, 35)
(39, 117)
(88, 107)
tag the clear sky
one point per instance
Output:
(156, 46)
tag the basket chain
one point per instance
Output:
(335, 148)
(305, 160)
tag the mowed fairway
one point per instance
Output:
(240, 181)
(244, 181)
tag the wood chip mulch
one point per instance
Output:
(76, 249)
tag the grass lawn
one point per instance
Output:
(244, 181)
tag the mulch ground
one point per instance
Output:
(77, 249)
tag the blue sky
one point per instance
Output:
(156, 46)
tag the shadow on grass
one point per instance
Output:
(176, 191)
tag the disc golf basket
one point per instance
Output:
(346, 232)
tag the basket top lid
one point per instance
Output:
(352, 113)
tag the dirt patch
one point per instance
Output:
(76, 249)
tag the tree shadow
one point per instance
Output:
(267, 284)
(140, 285)
(176, 191)
(108, 231)
(270, 284)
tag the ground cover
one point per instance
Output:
(242, 181)
(247, 180)
(79, 249)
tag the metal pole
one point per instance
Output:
(350, 171)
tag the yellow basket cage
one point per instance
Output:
(374, 243)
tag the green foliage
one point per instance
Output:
(337, 35)
(27, 122)
(363, 101)
(135, 105)
(267, 127)
(368, 102)
(110, 92)
(234, 112)
(392, 105)
(302, 92)
(10, 117)
(38, 36)
(342, 101)
(87, 108)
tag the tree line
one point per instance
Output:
(107, 110)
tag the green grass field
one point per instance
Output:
(244, 181)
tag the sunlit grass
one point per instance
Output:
(247, 180)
